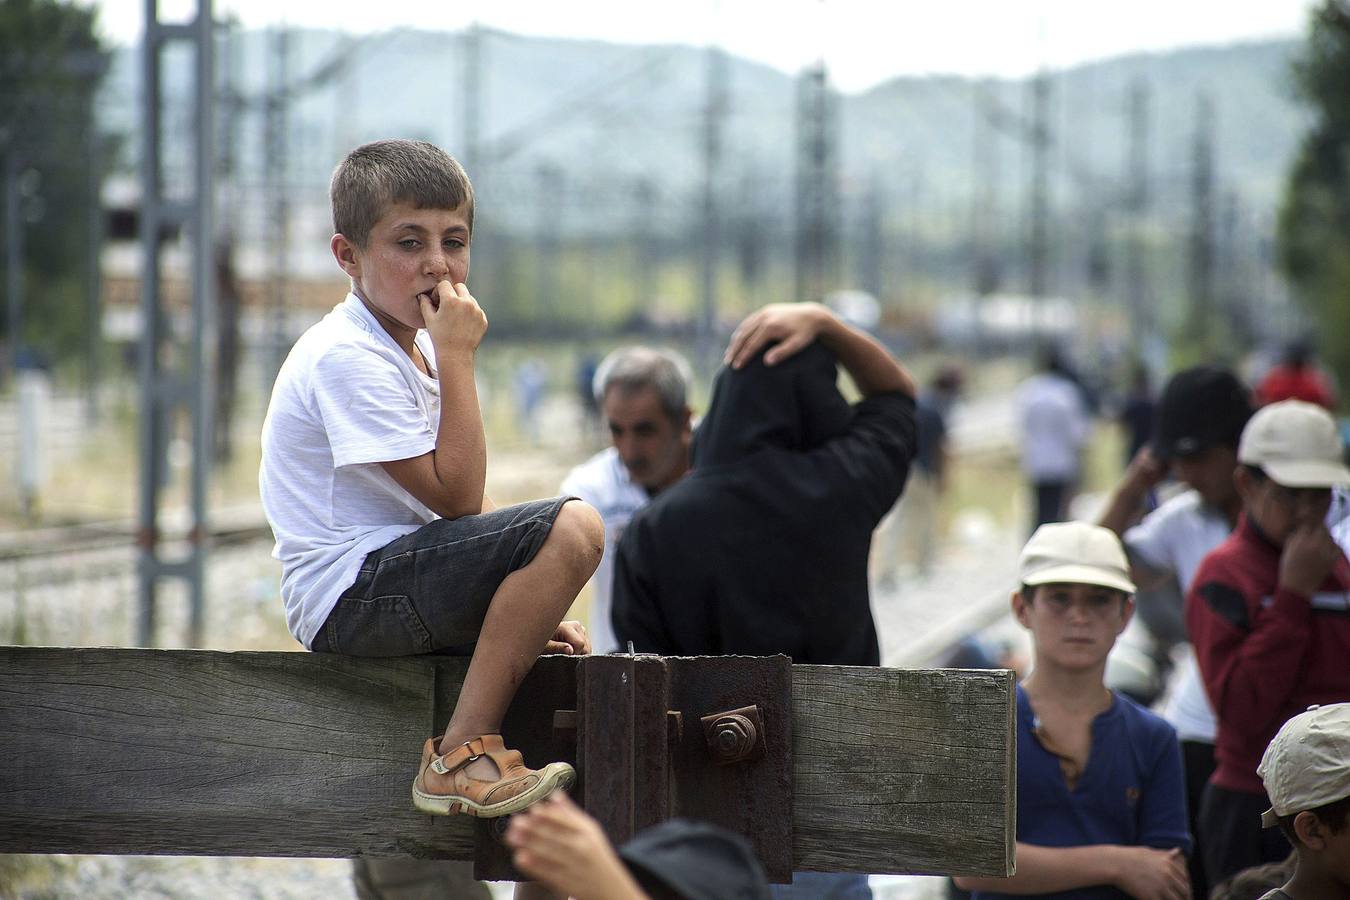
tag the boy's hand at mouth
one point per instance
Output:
(453, 318)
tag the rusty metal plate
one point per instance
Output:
(606, 741)
(753, 796)
(529, 727)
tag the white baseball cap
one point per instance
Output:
(1075, 553)
(1296, 444)
(1307, 764)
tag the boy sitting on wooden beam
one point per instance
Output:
(1100, 807)
(372, 475)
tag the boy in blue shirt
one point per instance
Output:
(1101, 812)
(372, 475)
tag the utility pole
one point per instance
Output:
(984, 276)
(869, 245)
(1038, 246)
(1235, 291)
(191, 389)
(277, 160)
(816, 187)
(751, 226)
(1138, 289)
(714, 110)
(489, 278)
(550, 198)
(93, 324)
(14, 254)
(644, 206)
(228, 300)
(1199, 326)
(911, 232)
(472, 98)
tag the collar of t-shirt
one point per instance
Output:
(359, 314)
(1070, 767)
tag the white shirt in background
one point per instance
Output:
(604, 482)
(1054, 424)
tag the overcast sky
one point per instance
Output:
(862, 41)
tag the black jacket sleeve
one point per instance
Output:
(874, 454)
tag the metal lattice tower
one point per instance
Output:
(173, 382)
(1138, 286)
(1201, 272)
(817, 188)
(714, 113)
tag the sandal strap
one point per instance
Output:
(459, 757)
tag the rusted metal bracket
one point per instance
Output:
(638, 765)
(751, 795)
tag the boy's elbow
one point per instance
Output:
(460, 510)
(456, 507)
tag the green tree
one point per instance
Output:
(51, 64)
(1314, 227)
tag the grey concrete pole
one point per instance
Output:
(14, 253)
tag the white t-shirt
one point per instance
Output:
(604, 482)
(1055, 424)
(346, 399)
(1175, 538)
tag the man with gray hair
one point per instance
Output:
(642, 395)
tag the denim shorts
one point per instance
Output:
(428, 591)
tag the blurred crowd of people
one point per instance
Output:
(1227, 533)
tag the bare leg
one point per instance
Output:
(524, 613)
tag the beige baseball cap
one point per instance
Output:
(1307, 764)
(1075, 553)
(1296, 444)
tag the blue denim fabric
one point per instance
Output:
(428, 591)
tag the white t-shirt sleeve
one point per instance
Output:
(1152, 541)
(372, 417)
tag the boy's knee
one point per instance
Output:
(581, 533)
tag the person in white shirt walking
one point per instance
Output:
(1054, 424)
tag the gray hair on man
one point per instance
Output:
(635, 368)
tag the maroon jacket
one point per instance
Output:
(1265, 654)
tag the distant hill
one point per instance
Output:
(928, 122)
(606, 115)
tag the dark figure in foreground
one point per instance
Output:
(564, 849)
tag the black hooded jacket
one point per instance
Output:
(763, 547)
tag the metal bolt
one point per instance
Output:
(733, 736)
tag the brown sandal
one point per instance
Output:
(443, 786)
